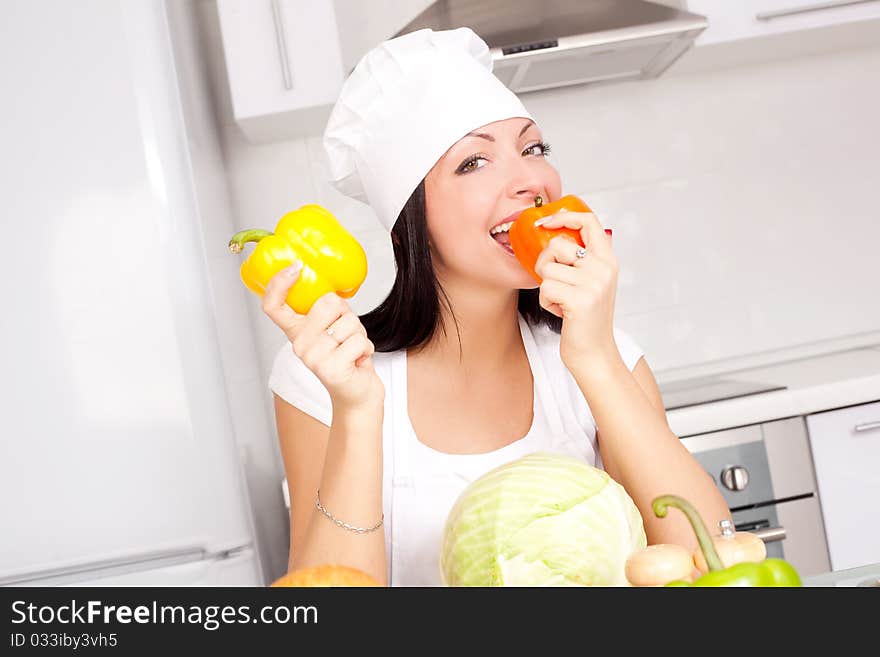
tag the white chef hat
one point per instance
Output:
(405, 104)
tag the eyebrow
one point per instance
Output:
(491, 138)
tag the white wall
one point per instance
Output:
(742, 201)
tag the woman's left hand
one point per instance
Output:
(581, 291)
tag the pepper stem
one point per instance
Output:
(660, 505)
(539, 201)
(236, 244)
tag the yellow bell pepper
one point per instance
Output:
(332, 259)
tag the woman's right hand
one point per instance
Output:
(341, 361)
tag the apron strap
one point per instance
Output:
(401, 453)
(544, 389)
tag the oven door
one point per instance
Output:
(791, 530)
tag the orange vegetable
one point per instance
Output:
(528, 240)
(325, 575)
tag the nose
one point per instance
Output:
(527, 182)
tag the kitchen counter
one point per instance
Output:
(819, 383)
(863, 576)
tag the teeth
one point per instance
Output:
(501, 228)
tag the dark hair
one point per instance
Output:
(410, 314)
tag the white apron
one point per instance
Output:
(425, 483)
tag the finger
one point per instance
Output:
(326, 348)
(275, 297)
(356, 349)
(568, 219)
(596, 239)
(346, 326)
(565, 219)
(554, 296)
(556, 271)
(324, 312)
(317, 353)
(559, 249)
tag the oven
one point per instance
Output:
(765, 473)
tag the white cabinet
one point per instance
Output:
(284, 64)
(845, 444)
(745, 19)
(286, 60)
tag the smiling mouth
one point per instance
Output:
(502, 237)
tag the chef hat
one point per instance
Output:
(405, 104)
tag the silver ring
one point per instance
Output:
(332, 334)
(580, 253)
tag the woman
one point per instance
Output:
(468, 364)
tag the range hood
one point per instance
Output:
(556, 43)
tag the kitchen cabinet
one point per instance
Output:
(284, 65)
(286, 60)
(747, 19)
(845, 445)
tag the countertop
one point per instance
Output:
(815, 384)
(862, 576)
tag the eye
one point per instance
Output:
(543, 146)
(470, 164)
(540, 149)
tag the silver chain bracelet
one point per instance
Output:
(345, 525)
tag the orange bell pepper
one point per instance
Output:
(528, 240)
(332, 259)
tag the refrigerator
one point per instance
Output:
(120, 461)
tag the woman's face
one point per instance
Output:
(483, 180)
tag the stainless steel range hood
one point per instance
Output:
(556, 43)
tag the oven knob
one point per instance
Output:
(735, 478)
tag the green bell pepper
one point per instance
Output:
(769, 572)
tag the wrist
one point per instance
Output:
(360, 414)
(364, 401)
(598, 367)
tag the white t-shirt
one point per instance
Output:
(420, 484)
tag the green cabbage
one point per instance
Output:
(542, 520)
